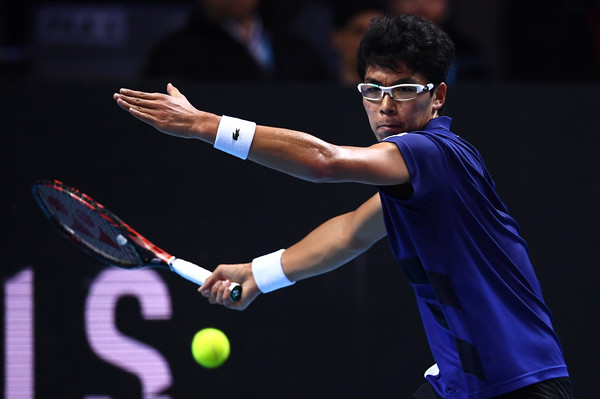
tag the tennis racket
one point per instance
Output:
(102, 234)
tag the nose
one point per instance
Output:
(388, 105)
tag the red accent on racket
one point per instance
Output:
(99, 232)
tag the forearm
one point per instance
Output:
(335, 242)
(292, 152)
(323, 250)
(309, 158)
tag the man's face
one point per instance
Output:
(388, 116)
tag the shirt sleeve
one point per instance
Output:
(426, 161)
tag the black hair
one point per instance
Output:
(420, 44)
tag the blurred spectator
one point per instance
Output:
(471, 61)
(549, 41)
(14, 25)
(310, 20)
(227, 40)
(350, 21)
(436, 11)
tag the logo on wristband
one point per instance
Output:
(236, 134)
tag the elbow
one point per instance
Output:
(323, 168)
(354, 238)
(358, 245)
(319, 174)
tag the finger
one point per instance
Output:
(240, 305)
(212, 294)
(140, 115)
(206, 288)
(227, 301)
(138, 102)
(140, 94)
(143, 116)
(216, 293)
(138, 111)
(223, 292)
(123, 102)
(120, 102)
(173, 91)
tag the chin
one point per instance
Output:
(387, 132)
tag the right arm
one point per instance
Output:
(329, 246)
(335, 242)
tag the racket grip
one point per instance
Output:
(198, 275)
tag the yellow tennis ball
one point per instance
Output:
(210, 347)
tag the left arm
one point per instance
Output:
(296, 153)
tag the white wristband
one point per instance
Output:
(234, 136)
(268, 272)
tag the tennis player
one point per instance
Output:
(488, 327)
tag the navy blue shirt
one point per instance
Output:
(488, 327)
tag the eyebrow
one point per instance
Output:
(396, 82)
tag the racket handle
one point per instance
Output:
(198, 275)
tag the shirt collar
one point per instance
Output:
(441, 122)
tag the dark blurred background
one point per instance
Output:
(539, 41)
(523, 91)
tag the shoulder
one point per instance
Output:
(425, 154)
(435, 136)
(416, 142)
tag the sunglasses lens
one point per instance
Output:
(404, 92)
(370, 92)
(401, 92)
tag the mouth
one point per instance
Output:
(390, 128)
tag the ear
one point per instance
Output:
(439, 96)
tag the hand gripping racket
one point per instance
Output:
(102, 234)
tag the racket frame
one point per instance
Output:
(149, 255)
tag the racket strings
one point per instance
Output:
(85, 224)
